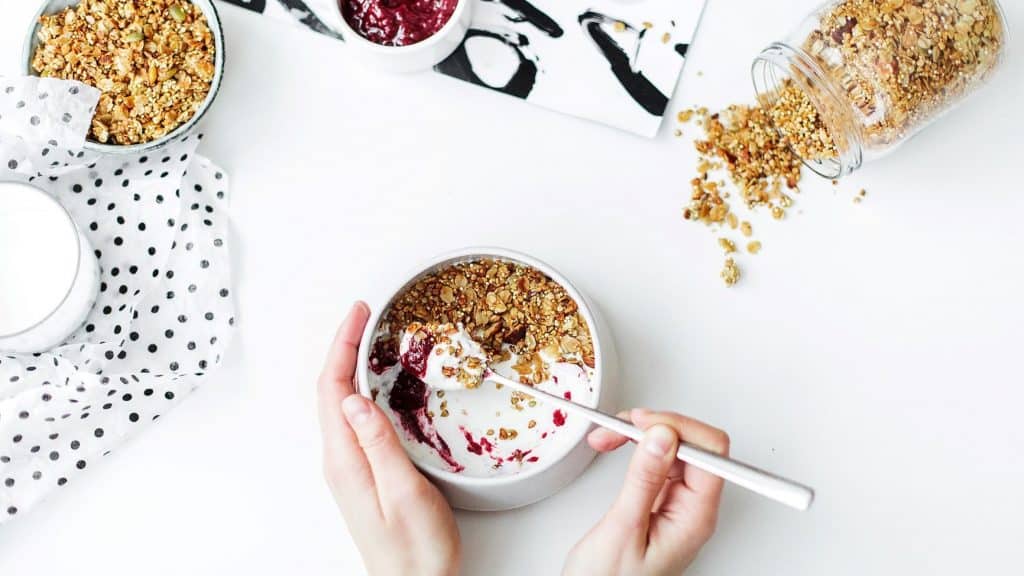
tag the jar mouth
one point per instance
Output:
(779, 63)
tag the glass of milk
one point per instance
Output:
(49, 275)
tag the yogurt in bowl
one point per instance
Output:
(486, 447)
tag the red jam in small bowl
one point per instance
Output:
(397, 22)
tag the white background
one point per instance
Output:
(872, 351)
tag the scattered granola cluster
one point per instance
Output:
(743, 141)
(761, 159)
(901, 62)
(499, 303)
(153, 61)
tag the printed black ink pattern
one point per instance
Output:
(609, 61)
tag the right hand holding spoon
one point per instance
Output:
(666, 510)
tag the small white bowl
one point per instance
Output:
(212, 21)
(413, 57)
(507, 492)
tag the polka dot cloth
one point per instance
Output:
(158, 223)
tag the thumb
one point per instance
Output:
(645, 478)
(392, 471)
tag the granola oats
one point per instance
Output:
(802, 128)
(152, 60)
(499, 303)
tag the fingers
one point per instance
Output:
(645, 478)
(346, 468)
(605, 440)
(694, 432)
(396, 479)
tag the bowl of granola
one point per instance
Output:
(485, 447)
(157, 63)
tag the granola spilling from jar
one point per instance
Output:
(901, 62)
(743, 141)
(758, 148)
(432, 348)
(802, 128)
(152, 60)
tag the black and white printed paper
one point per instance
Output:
(613, 61)
(164, 315)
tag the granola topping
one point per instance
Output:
(450, 326)
(152, 60)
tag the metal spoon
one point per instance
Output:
(764, 483)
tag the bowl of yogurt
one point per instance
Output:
(404, 35)
(458, 315)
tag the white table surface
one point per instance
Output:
(872, 351)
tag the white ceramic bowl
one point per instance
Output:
(49, 275)
(506, 492)
(212, 21)
(414, 57)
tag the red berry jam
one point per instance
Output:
(397, 22)
(383, 356)
(415, 358)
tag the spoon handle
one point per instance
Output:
(764, 483)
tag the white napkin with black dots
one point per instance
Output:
(164, 315)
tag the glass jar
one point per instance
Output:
(878, 71)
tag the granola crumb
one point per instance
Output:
(746, 229)
(728, 245)
(730, 272)
(620, 26)
(677, 132)
(648, 25)
(684, 116)
(665, 38)
(754, 247)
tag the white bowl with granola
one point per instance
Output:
(157, 63)
(488, 448)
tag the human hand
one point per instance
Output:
(666, 510)
(398, 519)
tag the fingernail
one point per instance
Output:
(356, 409)
(658, 440)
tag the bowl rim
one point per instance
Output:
(209, 10)
(466, 255)
(350, 34)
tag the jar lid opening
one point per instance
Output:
(779, 64)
